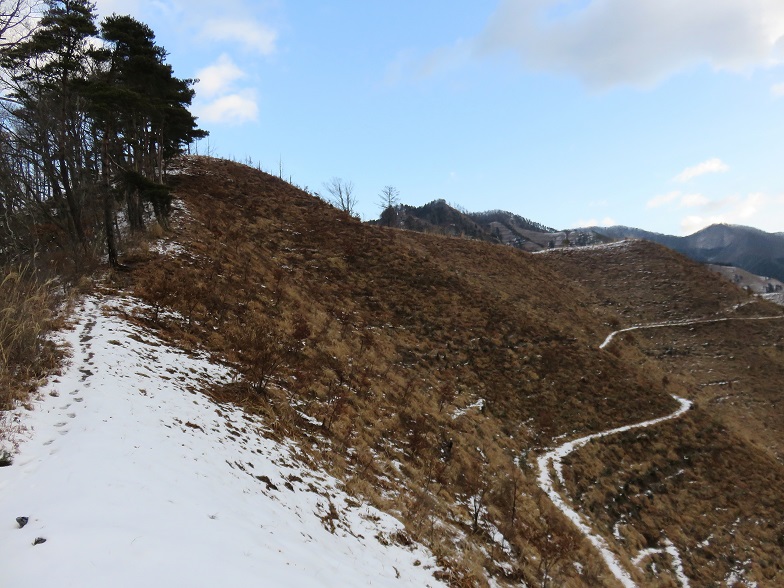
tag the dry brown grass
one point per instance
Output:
(25, 318)
(717, 498)
(26, 305)
(734, 369)
(711, 482)
(374, 347)
(643, 282)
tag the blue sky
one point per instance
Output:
(661, 114)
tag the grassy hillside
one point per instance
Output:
(711, 481)
(642, 282)
(425, 371)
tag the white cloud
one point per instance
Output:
(219, 99)
(219, 77)
(233, 108)
(710, 166)
(662, 199)
(636, 42)
(756, 209)
(446, 59)
(253, 35)
(683, 200)
(777, 90)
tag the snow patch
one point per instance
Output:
(136, 478)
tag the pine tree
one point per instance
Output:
(152, 122)
(89, 126)
(45, 72)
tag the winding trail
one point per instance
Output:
(686, 323)
(551, 461)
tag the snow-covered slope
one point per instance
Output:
(134, 478)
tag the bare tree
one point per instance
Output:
(388, 200)
(389, 196)
(17, 20)
(342, 195)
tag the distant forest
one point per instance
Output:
(89, 115)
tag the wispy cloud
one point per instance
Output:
(234, 108)
(710, 166)
(219, 77)
(693, 200)
(638, 43)
(757, 209)
(662, 199)
(679, 199)
(777, 90)
(253, 35)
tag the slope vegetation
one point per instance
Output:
(710, 482)
(422, 369)
(429, 374)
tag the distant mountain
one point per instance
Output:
(748, 248)
(494, 226)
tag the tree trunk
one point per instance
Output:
(135, 210)
(108, 213)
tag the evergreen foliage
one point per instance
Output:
(85, 127)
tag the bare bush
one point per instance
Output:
(342, 195)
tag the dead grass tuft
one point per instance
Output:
(25, 318)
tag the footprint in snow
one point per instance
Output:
(61, 424)
(71, 415)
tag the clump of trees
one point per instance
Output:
(89, 116)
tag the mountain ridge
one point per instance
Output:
(748, 248)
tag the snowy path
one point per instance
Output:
(135, 478)
(686, 323)
(552, 459)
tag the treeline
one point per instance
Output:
(510, 220)
(89, 116)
